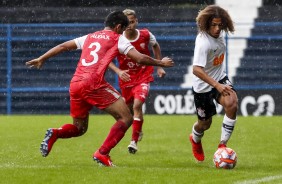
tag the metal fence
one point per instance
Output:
(21, 34)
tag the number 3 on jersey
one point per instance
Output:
(92, 53)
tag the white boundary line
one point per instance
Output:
(256, 181)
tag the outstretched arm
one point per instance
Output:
(147, 60)
(38, 62)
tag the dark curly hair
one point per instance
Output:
(206, 16)
(115, 18)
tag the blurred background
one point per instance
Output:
(29, 28)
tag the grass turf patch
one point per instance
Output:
(164, 154)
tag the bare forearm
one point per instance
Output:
(199, 72)
(113, 67)
(147, 60)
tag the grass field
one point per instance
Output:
(164, 154)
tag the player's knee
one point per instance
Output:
(130, 120)
(232, 105)
(127, 120)
(137, 108)
(206, 126)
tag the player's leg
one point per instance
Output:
(195, 137)
(136, 126)
(79, 111)
(121, 113)
(205, 109)
(137, 120)
(140, 93)
(230, 105)
(78, 128)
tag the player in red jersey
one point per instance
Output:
(88, 87)
(135, 79)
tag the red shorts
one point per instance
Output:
(140, 91)
(83, 97)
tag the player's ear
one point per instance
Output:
(119, 28)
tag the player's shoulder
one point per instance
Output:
(202, 37)
(202, 41)
(144, 30)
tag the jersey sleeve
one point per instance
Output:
(124, 45)
(200, 52)
(80, 42)
(152, 40)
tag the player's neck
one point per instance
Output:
(131, 35)
(108, 28)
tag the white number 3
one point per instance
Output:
(92, 53)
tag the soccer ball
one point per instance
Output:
(225, 158)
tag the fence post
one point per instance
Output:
(9, 70)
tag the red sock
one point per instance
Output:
(67, 131)
(136, 128)
(116, 134)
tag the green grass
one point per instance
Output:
(164, 154)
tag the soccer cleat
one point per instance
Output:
(140, 136)
(221, 146)
(104, 160)
(197, 149)
(47, 143)
(132, 147)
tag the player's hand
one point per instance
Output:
(224, 90)
(124, 76)
(167, 62)
(35, 63)
(161, 73)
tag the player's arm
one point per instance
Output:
(126, 48)
(225, 90)
(66, 46)
(147, 60)
(157, 54)
(123, 75)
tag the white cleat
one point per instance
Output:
(132, 147)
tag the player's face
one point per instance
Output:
(132, 23)
(215, 27)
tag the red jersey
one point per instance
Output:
(138, 73)
(98, 50)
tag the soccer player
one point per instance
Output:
(88, 87)
(210, 82)
(134, 78)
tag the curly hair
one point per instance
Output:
(206, 16)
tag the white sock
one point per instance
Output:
(227, 128)
(196, 136)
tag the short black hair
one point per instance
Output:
(115, 18)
